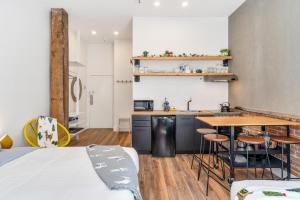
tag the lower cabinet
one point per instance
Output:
(187, 138)
(141, 139)
(185, 134)
(141, 133)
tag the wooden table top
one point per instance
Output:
(246, 121)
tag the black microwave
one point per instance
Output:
(143, 105)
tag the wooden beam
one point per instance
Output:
(59, 65)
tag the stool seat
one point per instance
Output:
(286, 140)
(216, 138)
(205, 131)
(251, 140)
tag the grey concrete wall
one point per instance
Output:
(264, 37)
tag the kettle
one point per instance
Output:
(225, 107)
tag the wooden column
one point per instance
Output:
(59, 107)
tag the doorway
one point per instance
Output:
(100, 85)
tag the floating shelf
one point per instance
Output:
(209, 77)
(180, 74)
(183, 58)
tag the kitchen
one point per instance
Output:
(179, 86)
(200, 98)
(188, 80)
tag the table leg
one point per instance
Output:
(232, 157)
(288, 155)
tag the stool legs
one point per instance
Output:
(201, 164)
(208, 168)
(202, 147)
(255, 165)
(194, 152)
(247, 150)
(223, 167)
(281, 160)
(268, 158)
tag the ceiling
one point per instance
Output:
(107, 16)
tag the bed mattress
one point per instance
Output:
(237, 186)
(57, 173)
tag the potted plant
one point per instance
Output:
(145, 53)
(225, 52)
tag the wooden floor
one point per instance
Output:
(162, 178)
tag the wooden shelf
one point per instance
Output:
(184, 58)
(181, 74)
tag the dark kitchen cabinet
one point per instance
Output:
(141, 133)
(185, 132)
(187, 138)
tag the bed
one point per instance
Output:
(57, 173)
(238, 185)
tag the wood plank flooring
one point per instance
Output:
(163, 178)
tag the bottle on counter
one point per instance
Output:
(166, 105)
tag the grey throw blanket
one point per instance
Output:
(115, 168)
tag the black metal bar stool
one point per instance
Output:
(283, 140)
(250, 140)
(218, 139)
(201, 132)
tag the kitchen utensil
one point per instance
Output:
(225, 107)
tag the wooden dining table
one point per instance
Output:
(240, 121)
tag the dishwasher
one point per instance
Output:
(163, 136)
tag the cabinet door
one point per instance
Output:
(141, 139)
(184, 133)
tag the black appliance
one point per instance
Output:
(225, 107)
(143, 105)
(163, 136)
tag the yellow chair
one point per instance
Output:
(30, 133)
(6, 142)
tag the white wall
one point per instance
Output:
(24, 65)
(264, 39)
(180, 35)
(122, 91)
(100, 83)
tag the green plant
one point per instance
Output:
(225, 52)
(145, 53)
(168, 53)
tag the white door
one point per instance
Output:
(100, 85)
(100, 101)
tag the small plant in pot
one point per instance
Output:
(168, 53)
(145, 53)
(225, 52)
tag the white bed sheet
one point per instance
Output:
(238, 185)
(57, 173)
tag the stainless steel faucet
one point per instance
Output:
(188, 104)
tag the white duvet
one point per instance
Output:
(265, 185)
(57, 174)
